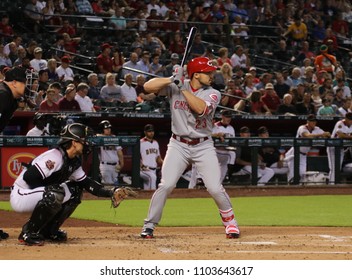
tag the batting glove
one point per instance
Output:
(177, 75)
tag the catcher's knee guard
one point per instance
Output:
(45, 209)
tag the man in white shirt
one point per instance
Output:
(85, 103)
(39, 128)
(64, 71)
(37, 62)
(128, 92)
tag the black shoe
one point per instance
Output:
(59, 236)
(31, 239)
(147, 233)
(3, 234)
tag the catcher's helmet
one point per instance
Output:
(199, 65)
(77, 132)
(104, 124)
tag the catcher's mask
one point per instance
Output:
(77, 132)
(31, 76)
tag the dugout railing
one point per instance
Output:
(255, 143)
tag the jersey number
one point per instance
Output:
(201, 123)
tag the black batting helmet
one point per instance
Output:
(104, 124)
(77, 132)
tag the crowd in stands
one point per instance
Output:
(307, 52)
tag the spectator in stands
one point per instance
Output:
(68, 103)
(111, 92)
(132, 63)
(223, 56)
(38, 63)
(248, 84)
(264, 79)
(198, 48)
(326, 87)
(4, 59)
(94, 90)
(253, 105)
(309, 79)
(298, 30)
(52, 75)
(282, 53)
(5, 27)
(308, 130)
(176, 44)
(26, 63)
(85, 103)
(221, 76)
(172, 22)
(21, 53)
(295, 78)
(342, 130)
(280, 87)
(144, 64)
(271, 156)
(337, 99)
(16, 42)
(67, 27)
(239, 30)
(142, 95)
(154, 21)
(305, 53)
(175, 59)
(270, 98)
(33, 17)
(56, 86)
(117, 60)
(50, 102)
(64, 71)
(325, 61)
(12, 55)
(118, 22)
(327, 109)
(319, 31)
(346, 91)
(71, 44)
(287, 108)
(98, 8)
(155, 67)
(243, 163)
(84, 7)
(240, 58)
(306, 106)
(43, 80)
(58, 50)
(32, 45)
(346, 107)
(233, 94)
(104, 61)
(340, 26)
(128, 92)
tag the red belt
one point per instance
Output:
(194, 141)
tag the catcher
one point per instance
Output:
(51, 187)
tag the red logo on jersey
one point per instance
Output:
(50, 164)
(214, 97)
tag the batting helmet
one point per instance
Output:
(104, 124)
(199, 65)
(77, 132)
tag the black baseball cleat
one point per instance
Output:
(59, 236)
(3, 234)
(232, 232)
(147, 233)
(31, 239)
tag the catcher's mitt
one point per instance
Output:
(120, 194)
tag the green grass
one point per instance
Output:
(324, 210)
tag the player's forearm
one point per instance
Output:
(196, 104)
(156, 84)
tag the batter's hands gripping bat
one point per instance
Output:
(178, 69)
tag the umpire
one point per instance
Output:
(11, 91)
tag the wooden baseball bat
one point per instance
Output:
(190, 39)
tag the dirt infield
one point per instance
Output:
(102, 241)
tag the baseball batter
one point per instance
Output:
(223, 129)
(193, 103)
(111, 157)
(343, 130)
(51, 187)
(308, 130)
(150, 158)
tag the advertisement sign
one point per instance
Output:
(12, 160)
